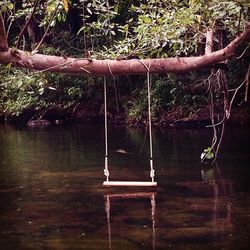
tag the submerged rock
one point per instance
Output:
(59, 122)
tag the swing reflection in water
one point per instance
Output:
(139, 195)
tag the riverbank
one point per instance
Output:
(93, 113)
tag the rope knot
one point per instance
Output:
(152, 173)
(106, 172)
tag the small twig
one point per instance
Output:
(208, 80)
(46, 31)
(244, 51)
(217, 124)
(247, 82)
(214, 140)
(220, 140)
(218, 76)
(238, 28)
(24, 42)
(85, 70)
(40, 115)
(3, 37)
(10, 24)
(31, 119)
(27, 24)
(74, 110)
(234, 95)
(223, 83)
(84, 25)
(57, 66)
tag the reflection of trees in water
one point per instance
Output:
(221, 187)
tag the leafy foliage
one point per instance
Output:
(167, 92)
(171, 28)
(22, 91)
(19, 91)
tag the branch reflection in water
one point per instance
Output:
(212, 175)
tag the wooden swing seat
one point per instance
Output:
(108, 183)
(129, 184)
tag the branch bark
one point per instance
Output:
(3, 37)
(121, 67)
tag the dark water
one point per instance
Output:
(51, 193)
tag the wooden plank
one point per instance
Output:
(130, 183)
(130, 195)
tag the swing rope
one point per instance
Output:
(106, 170)
(152, 171)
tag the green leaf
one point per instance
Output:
(207, 154)
(10, 6)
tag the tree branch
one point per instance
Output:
(247, 82)
(46, 31)
(3, 37)
(26, 24)
(121, 67)
(209, 42)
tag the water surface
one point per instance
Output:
(51, 193)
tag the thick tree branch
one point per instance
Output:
(121, 67)
(3, 37)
